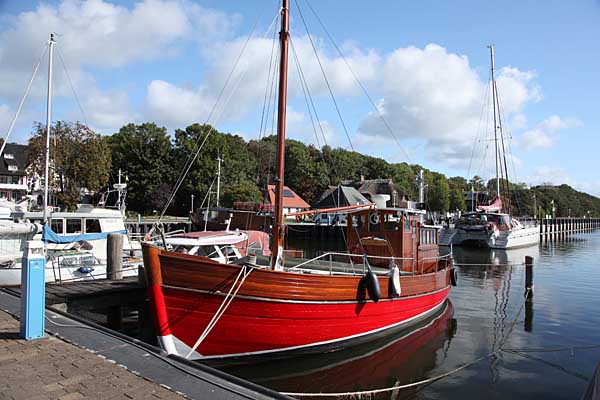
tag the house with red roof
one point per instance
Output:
(291, 201)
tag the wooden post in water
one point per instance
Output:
(114, 259)
(529, 276)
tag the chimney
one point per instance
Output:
(362, 179)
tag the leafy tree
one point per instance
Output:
(238, 166)
(145, 153)
(438, 192)
(80, 160)
(405, 177)
(245, 191)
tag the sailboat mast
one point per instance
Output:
(48, 123)
(278, 228)
(491, 47)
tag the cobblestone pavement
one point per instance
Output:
(50, 368)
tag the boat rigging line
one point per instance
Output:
(72, 87)
(358, 82)
(424, 381)
(324, 75)
(199, 144)
(12, 124)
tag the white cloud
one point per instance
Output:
(555, 123)
(537, 139)
(551, 175)
(100, 34)
(544, 135)
(175, 106)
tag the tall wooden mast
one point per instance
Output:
(278, 229)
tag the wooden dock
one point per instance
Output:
(553, 229)
(101, 291)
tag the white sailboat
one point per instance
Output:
(75, 242)
(492, 225)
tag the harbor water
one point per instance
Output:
(512, 348)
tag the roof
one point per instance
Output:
(290, 198)
(340, 196)
(20, 153)
(370, 187)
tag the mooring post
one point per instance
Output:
(529, 276)
(114, 261)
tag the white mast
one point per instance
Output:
(219, 159)
(48, 122)
(494, 100)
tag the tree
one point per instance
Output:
(438, 198)
(237, 169)
(144, 153)
(245, 191)
(80, 160)
(458, 186)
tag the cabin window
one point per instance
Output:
(57, 225)
(407, 225)
(390, 223)
(360, 221)
(92, 226)
(73, 225)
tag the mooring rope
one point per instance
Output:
(224, 305)
(422, 382)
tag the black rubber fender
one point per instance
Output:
(453, 276)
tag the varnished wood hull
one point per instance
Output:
(277, 312)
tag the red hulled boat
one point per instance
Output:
(392, 277)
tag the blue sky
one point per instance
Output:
(425, 64)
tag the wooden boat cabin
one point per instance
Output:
(398, 233)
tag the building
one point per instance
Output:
(291, 201)
(340, 196)
(13, 177)
(376, 190)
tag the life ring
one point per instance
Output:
(374, 219)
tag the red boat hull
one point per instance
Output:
(258, 326)
(319, 313)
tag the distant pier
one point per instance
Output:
(553, 229)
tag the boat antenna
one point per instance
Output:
(278, 228)
(51, 43)
(494, 95)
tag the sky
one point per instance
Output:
(424, 65)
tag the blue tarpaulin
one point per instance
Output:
(48, 235)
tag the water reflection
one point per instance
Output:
(401, 358)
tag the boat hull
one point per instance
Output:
(276, 313)
(527, 236)
(259, 326)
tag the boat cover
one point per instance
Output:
(49, 236)
(496, 205)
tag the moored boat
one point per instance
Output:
(278, 306)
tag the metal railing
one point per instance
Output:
(328, 258)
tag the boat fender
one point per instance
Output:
(395, 289)
(453, 276)
(85, 270)
(372, 282)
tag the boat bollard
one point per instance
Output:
(33, 291)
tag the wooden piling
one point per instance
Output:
(529, 275)
(114, 261)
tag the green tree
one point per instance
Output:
(238, 166)
(438, 193)
(144, 153)
(80, 160)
